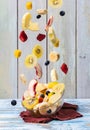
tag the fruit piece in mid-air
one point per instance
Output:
(23, 36)
(62, 13)
(25, 20)
(23, 79)
(29, 5)
(41, 37)
(64, 68)
(29, 104)
(37, 51)
(17, 53)
(53, 38)
(33, 26)
(54, 56)
(55, 3)
(42, 11)
(38, 71)
(30, 61)
(47, 62)
(38, 16)
(49, 23)
(32, 87)
(54, 75)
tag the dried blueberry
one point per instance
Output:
(47, 92)
(49, 111)
(38, 16)
(47, 62)
(13, 102)
(62, 13)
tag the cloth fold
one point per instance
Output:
(67, 112)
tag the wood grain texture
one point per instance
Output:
(10, 119)
(83, 48)
(8, 43)
(29, 44)
(64, 27)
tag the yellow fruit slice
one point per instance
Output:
(42, 11)
(54, 98)
(33, 26)
(59, 88)
(25, 20)
(30, 61)
(52, 37)
(54, 56)
(29, 104)
(54, 75)
(52, 84)
(17, 53)
(37, 51)
(29, 5)
(23, 79)
(55, 3)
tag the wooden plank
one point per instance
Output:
(65, 30)
(28, 45)
(8, 43)
(83, 48)
(10, 119)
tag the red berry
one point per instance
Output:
(40, 37)
(64, 68)
(23, 36)
(40, 99)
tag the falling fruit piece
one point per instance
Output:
(17, 53)
(13, 102)
(54, 75)
(38, 71)
(33, 26)
(37, 51)
(64, 68)
(54, 56)
(40, 37)
(38, 16)
(23, 36)
(30, 61)
(49, 23)
(29, 5)
(23, 79)
(25, 20)
(62, 13)
(47, 62)
(55, 3)
(42, 11)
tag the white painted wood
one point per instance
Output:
(8, 43)
(27, 47)
(65, 30)
(10, 119)
(83, 48)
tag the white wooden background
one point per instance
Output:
(73, 30)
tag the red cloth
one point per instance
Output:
(67, 112)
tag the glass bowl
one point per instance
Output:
(45, 104)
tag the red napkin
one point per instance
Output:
(67, 112)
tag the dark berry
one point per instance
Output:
(47, 92)
(49, 111)
(47, 62)
(62, 13)
(38, 16)
(13, 102)
(42, 95)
